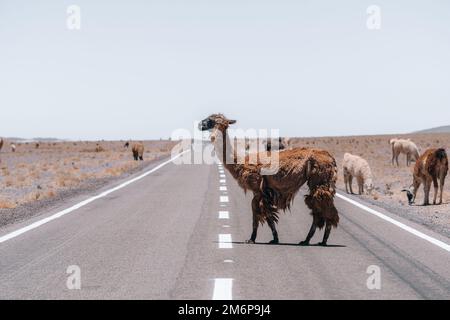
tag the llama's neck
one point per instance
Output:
(225, 152)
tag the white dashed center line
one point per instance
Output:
(225, 241)
(223, 289)
(224, 215)
(223, 286)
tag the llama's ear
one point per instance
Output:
(231, 121)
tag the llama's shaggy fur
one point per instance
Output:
(357, 167)
(138, 151)
(406, 147)
(432, 166)
(272, 193)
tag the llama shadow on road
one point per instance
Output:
(290, 244)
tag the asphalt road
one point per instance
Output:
(158, 238)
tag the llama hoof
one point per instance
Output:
(274, 241)
(303, 243)
(250, 241)
(322, 244)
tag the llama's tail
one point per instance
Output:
(321, 197)
(321, 203)
(441, 154)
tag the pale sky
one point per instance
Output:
(141, 69)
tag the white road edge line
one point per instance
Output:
(57, 215)
(223, 288)
(403, 226)
(225, 241)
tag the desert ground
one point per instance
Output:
(33, 174)
(390, 180)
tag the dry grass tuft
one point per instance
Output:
(6, 204)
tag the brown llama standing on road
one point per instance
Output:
(431, 166)
(272, 193)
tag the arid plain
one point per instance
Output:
(57, 170)
(34, 173)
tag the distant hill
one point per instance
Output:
(443, 129)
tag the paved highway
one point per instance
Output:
(179, 231)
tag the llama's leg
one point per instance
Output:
(311, 232)
(427, 187)
(326, 234)
(436, 189)
(360, 185)
(350, 183)
(346, 181)
(271, 224)
(255, 229)
(442, 182)
(256, 211)
(416, 183)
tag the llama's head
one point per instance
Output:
(217, 123)
(368, 184)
